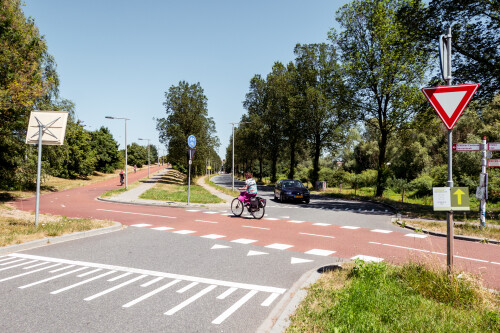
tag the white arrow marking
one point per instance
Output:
(217, 246)
(255, 253)
(299, 260)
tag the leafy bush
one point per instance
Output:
(422, 186)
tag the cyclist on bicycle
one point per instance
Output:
(249, 190)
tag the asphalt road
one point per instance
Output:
(199, 269)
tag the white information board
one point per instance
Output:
(54, 129)
(441, 198)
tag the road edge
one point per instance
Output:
(59, 239)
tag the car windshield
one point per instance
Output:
(293, 183)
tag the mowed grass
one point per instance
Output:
(179, 193)
(465, 229)
(376, 297)
(18, 227)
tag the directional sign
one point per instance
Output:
(466, 146)
(192, 141)
(494, 163)
(454, 198)
(494, 146)
(450, 101)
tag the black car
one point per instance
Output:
(288, 189)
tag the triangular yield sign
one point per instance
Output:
(450, 101)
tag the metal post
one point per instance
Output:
(126, 173)
(189, 179)
(149, 160)
(483, 181)
(232, 165)
(449, 217)
(38, 172)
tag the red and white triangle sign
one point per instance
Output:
(450, 101)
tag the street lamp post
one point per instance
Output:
(232, 165)
(149, 161)
(126, 173)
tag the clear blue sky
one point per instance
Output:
(119, 57)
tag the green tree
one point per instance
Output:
(106, 150)
(386, 66)
(187, 114)
(137, 155)
(26, 75)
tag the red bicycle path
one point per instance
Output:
(334, 240)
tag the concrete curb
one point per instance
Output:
(440, 234)
(279, 318)
(59, 239)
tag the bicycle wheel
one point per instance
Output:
(237, 207)
(259, 213)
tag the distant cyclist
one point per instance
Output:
(249, 190)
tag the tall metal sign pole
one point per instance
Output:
(446, 68)
(50, 127)
(191, 143)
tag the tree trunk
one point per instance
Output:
(317, 152)
(291, 172)
(381, 175)
(261, 162)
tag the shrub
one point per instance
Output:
(421, 185)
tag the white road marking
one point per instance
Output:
(186, 288)
(116, 278)
(36, 265)
(151, 293)
(226, 293)
(381, 231)
(184, 232)
(416, 235)
(190, 300)
(91, 272)
(295, 221)
(27, 273)
(322, 224)
(63, 206)
(305, 233)
(52, 278)
(147, 284)
(144, 272)
(473, 259)
(162, 228)
(349, 227)
(114, 288)
(21, 264)
(271, 219)
(203, 221)
(270, 299)
(496, 263)
(249, 226)
(401, 247)
(299, 260)
(284, 217)
(11, 262)
(82, 282)
(5, 259)
(368, 258)
(141, 225)
(279, 246)
(217, 246)
(62, 269)
(244, 241)
(213, 236)
(255, 253)
(143, 214)
(192, 210)
(319, 252)
(234, 307)
(210, 212)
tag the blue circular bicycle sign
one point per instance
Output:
(192, 141)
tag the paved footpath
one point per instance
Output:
(337, 239)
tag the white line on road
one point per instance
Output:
(91, 272)
(162, 228)
(270, 299)
(349, 227)
(147, 284)
(279, 246)
(27, 273)
(190, 300)
(62, 269)
(141, 225)
(36, 265)
(184, 232)
(226, 293)
(322, 224)
(52, 278)
(173, 276)
(11, 262)
(203, 221)
(144, 214)
(119, 277)
(21, 264)
(186, 288)
(305, 233)
(295, 221)
(151, 293)
(114, 288)
(244, 241)
(213, 236)
(319, 252)
(249, 226)
(381, 231)
(82, 282)
(234, 307)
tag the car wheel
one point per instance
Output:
(307, 201)
(281, 198)
(275, 197)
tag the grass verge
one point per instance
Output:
(222, 189)
(19, 227)
(377, 297)
(179, 193)
(464, 229)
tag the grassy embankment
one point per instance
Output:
(377, 297)
(172, 187)
(18, 226)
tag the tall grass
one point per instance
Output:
(376, 297)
